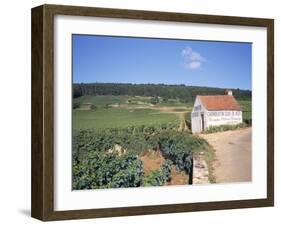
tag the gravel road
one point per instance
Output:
(233, 155)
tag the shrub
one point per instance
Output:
(177, 147)
(188, 123)
(166, 169)
(221, 128)
(107, 170)
(163, 126)
(248, 122)
(154, 178)
(129, 177)
(93, 107)
(154, 100)
(75, 105)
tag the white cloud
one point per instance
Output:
(194, 65)
(192, 60)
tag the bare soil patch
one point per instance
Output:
(178, 177)
(152, 160)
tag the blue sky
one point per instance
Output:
(144, 60)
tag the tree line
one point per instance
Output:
(183, 92)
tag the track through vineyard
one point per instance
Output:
(233, 155)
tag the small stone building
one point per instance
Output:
(215, 111)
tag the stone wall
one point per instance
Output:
(200, 170)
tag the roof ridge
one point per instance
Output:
(219, 102)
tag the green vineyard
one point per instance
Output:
(96, 165)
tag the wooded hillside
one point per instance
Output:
(182, 92)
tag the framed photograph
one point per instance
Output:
(141, 112)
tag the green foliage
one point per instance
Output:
(75, 105)
(97, 165)
(93, 107)
(246, 111)
(77, 91)
(166, 169)
(221, 128)
(107, 170)
(135, 139)
(181, 92)
(154, 178)
(178, 147)
(154, 100)
(188, 121)
(101, 101)
(103, 118)
(159, 177)
(248, 122)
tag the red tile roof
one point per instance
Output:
(220, 102)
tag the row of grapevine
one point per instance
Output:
(94, 166)
(107, 170)
(178, 147)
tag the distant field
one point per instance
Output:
(120, 118)
(175, 104)
(101, 101)
(124, 111)
(119, 112)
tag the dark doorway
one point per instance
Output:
(202, 121)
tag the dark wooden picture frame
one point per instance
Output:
(42, 203)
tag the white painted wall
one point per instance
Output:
(15, 113)
(196, 120)
(216, 118)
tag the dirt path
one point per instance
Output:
(233, 155)
(183, 126)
